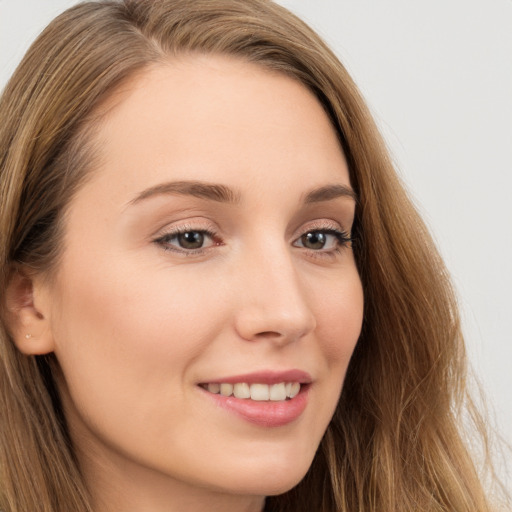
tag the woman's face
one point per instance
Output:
(208, 250)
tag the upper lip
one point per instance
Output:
(266, 377)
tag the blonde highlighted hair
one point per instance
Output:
(394, 443)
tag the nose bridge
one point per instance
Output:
(273, 302)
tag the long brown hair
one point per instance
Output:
(394, 443)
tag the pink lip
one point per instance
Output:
(266, 377)
(265, 413)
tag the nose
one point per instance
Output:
(272, 302)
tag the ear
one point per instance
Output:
(27, 312)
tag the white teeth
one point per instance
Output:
(241, 390)
(226, 389)
(214, 388)
(278, 392)
(258, 392)
(295, 388)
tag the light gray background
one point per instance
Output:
(438, 78)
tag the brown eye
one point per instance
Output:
(191, 240)
(187, 241)
(324, 240)
(315, 240)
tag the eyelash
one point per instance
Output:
(343, 240)
(164, 240)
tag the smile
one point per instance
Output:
(257, 392)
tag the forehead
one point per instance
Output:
(216, 118)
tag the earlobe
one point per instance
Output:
(27, 314)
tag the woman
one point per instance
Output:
(194, 202)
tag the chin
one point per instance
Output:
(274, 478)
(267, 486)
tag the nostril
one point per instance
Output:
(269, 334)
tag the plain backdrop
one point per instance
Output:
(438, 78)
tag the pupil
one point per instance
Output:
(191, 240)
(314, 240)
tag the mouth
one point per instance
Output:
(265, 398)
(258, 392)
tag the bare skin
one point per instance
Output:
(168, 283)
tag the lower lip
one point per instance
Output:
(264, 413)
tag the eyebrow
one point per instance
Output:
(210, 191)
(224, 194)
(329, 192)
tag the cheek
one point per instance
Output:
(129, 304)
(126, 341)
(338, 308)
(121, 333)
(339, 314)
